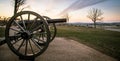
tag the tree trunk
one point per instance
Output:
(94, 24)
(15, 7)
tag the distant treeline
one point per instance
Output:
(103, 24)
(3, 22)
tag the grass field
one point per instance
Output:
(2, 32)
(105, 41)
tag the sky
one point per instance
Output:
(76, 10)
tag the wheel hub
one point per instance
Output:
(26, 35)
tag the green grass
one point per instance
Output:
(105, 41)
(2, 32)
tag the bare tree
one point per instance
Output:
(67, 16)
(17, 4)
(24, 8)
(3, 20)
(95, 14)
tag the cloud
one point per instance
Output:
(79, 4)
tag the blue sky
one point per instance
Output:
(111, 9)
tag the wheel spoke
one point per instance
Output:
(15, 30)
(28, 23)
(34, 23)
(26, 47)
(28, 16)
(39, 40)
(36, 44)
(31, 47)
(43, 36)
(17, 41)
(23, 22)
(40, 35)
(35, 29)
(39, 32)
(20, 26)
(21, 45)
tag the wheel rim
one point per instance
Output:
(52, 28)
(27, 34)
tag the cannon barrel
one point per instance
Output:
(40, 22)
(56, 20)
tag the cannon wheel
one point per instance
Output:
(52, 28)
(23, 34)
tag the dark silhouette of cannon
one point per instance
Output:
(28, 34)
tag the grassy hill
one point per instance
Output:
(105, 41)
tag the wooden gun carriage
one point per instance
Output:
(28, 34)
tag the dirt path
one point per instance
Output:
(61, 49)
(112, 29)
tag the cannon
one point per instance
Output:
(28, 34)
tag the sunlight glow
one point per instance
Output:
(75, 11)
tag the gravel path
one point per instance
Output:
(61, 49)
